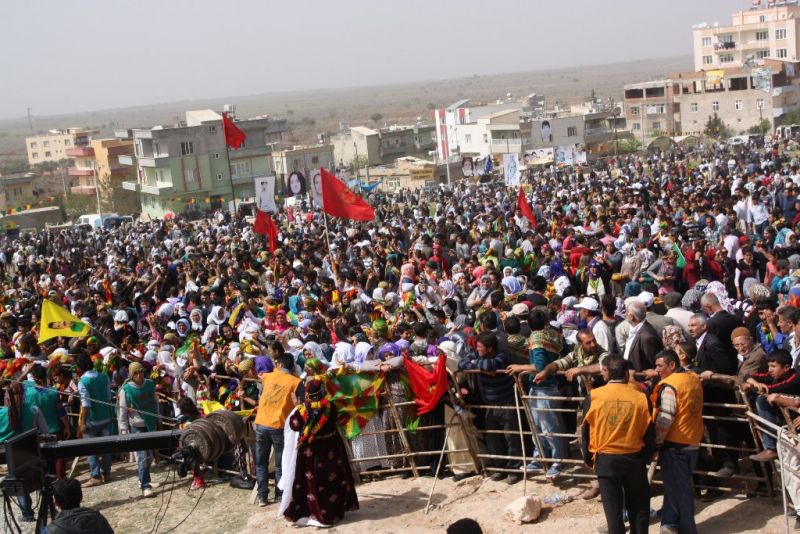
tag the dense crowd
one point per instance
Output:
(673, 277)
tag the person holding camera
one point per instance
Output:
(73, 518)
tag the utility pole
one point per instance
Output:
(30, 120)
(97, 192)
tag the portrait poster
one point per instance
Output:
(511, 170)
(265, 193)
(295, 184)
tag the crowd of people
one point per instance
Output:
(671, 278)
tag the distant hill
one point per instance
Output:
(320, 111)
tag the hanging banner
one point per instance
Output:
(762, 79)
(265, 193)
(315, 178)
(539, 156)
(715, 77)
(295, 184)
(467, 167)
(511, 170)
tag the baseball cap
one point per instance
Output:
(587, 303)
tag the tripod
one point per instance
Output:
(47, 505)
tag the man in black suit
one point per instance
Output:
(713, 358)
(643, 341)
(720, 323)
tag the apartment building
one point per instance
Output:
(52, 146)
(379, 146)
(769, 30)
(187, 166)
(97, 165)
(651, 108)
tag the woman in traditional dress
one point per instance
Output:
(323, 488)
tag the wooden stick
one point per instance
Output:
(74, 465)
(438, 468)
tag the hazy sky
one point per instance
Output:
(61, 57)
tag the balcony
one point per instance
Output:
(250, 152)
(82, 190)
(507, 145)
(126, 160)
(131, 186)
(79, 151)
(120, 150)
(80, 171)
(243, 179)
(160, 188)
(597, 135)
(159, 161)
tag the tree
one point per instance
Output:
(12, 166)
(626, 146)
(761, 128)
(376, 117)
(716, 128)
(358, 163)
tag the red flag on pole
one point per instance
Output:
(428, 387)
(525, 208)
(264, 225)
(339, 201)
(234, 137)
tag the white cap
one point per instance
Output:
(519, 309)
(121, 316)
(646, 298)
(587, 303)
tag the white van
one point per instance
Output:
(93, 219)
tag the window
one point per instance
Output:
(657, 126)
(572, 131)
(706, 42)
(67, 142)
(315, 160)
(46, 144)
(761, 54)
(782, 52)
(693, 107)
(187, 148)
(762, 35)
(637, 126)
(656, 109)
(34, 144)
(468, 138)
(738, 105)
(760, 103)
(780, 34)
(47, 154)
(241, 169)
(726, 58)
(762, 18)
(216, 155)
(634, 111)
(219, 177)
(715, 106)
(191, 175)
(35, 155)
(707, 60)
(212, 129)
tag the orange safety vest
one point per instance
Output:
(687, 427)
(275, 403)
(618, 419)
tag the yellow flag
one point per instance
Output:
(56, 321)
(235, 315)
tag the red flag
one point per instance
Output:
(525, 208)
(234, 137)
(428, 387)
(264, 225)
(339, 201)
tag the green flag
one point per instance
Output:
(681, 261)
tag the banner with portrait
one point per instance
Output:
(315, 186)
(546, 132)
(265, 193)
(467, 167)
(570, 155)
(539, 156)
(762, 79)
(295, 184)
(714, 78)
(511, 170)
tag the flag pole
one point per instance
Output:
(330, 254)
(228, 156)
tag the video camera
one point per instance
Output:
(26, 467)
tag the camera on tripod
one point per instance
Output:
(26, 467)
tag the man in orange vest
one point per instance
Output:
(278, 398)
(618, 437)
(678, 416)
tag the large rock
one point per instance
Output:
(525, 509)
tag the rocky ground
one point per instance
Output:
(387, 506)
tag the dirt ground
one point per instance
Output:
(387, 506)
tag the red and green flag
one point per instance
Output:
(355, 396)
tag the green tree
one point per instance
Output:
(716, 128)
(376, 117)
(358, 163)
(12, 166)
(761, 128)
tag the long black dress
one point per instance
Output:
(323, 487)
